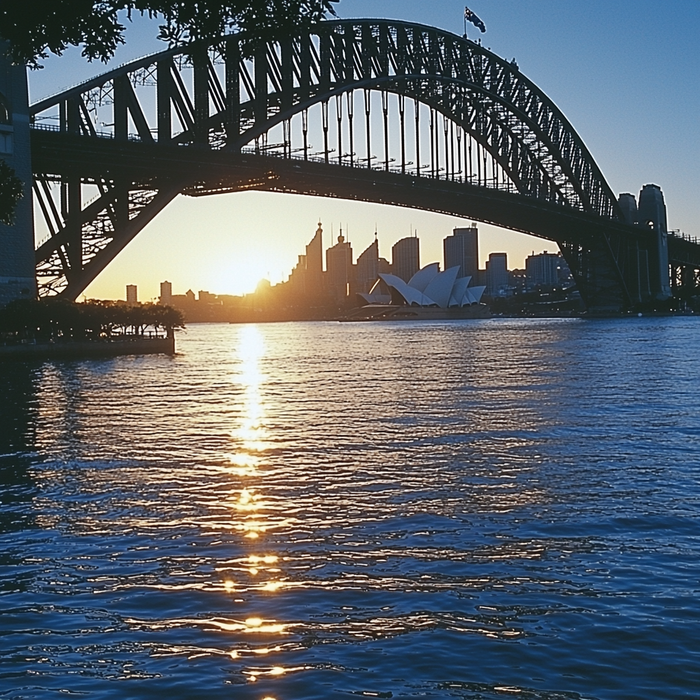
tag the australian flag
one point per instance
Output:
(471, 17)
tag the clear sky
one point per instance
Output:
(624, 72)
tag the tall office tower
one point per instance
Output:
(17, 275)
(652, 214)
(132, 294)
(462, 248)
(313, 282)
(628, 204)
(405, 258)
(339, 270)
(543, 269)
(367, 268)
(496, 274)
(166, 293)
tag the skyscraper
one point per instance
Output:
(496, 273)
(462, 248)
(543, 269)
(132, 295)
(166, 293)
(405, 258)
(339, 270)
(314, 264)
(367, 268)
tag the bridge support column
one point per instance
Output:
(652, 215)
(17, 276)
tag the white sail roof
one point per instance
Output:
(424, 276)
(428, 287)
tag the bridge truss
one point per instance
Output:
(373, 110)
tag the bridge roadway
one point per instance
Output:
(198, 171)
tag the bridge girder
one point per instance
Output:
(209, 105)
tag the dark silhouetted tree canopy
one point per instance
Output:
(60, 319)
(41, 26)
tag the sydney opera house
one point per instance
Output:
(428, 294)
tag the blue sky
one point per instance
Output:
(624, 72)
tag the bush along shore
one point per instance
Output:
(56, 328)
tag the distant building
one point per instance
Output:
(339, 270)
(367, 268)
(166, 293)
(405, 258)
(306, 284)
(544, 269)
(496, 274)
(462, 249)
(206, 297)
(132, 296)
(314, 265)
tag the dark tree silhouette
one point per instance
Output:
(50, 26)
(62, 320)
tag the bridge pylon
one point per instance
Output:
(17, 275)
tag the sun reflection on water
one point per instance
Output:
(249, 508)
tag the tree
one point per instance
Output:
(96, 25)
(50, 26)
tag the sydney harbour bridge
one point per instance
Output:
(371, 110)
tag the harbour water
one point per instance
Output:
(480, 509)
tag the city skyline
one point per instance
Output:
(311, 279)
(631, 106)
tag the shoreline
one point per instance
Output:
(78, 350)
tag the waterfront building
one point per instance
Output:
(544, 269)
(461, 249)
(405, 258)
(496, 274)
(132, 296)
(339, 270)
(427, 288)
(367, 268)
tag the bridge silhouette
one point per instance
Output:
(371, 110)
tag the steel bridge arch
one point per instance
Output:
(221, 112)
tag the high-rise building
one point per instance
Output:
(166, 293)
(496, 274)
(543, 269)
(367, 268)
(314, 264)
(462, 248)
(339, 270)
(132, 295)
(405, 258)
